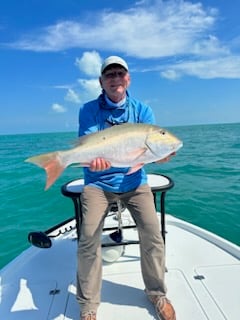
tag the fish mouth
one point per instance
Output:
(180, 144)
(177, 146)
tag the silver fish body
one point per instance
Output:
(126, 145)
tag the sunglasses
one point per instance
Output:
(114, 74)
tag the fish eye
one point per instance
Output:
(162, 132)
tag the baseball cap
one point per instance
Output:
(113, 60)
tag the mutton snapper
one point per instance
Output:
(125, 145)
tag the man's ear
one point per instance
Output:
(129, 80)
(100, 81)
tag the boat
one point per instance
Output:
(202, 269)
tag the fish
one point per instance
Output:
(130, 145)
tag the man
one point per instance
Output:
(105, 184)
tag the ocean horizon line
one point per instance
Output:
(168, 126)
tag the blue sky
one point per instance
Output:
(184, 59)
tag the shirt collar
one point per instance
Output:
(115, 104)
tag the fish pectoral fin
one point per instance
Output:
(135, 154)
(135, 168)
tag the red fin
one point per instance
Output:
(135, 168)
(51, 163)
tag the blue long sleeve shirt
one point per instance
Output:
(98, 115)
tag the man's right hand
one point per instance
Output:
(99, 164)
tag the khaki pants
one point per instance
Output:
(94, 209)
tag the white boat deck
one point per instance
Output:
(203, 279)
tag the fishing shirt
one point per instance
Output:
(100, 114)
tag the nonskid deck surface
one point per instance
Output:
(40, 283)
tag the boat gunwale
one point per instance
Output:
(209, 236)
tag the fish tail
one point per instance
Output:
(52, 164)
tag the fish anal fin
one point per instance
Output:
(135, 168)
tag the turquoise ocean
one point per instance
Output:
(206, 172)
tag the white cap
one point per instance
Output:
(113, 60)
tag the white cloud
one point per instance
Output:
(90, 88)
(153, 29)
(210, 46)
(170, 74)
(58, 108)
(149, 30)
(223, 67)
(87, 89)
(72, 96)
(90, 63)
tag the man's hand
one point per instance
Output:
(99, 164)
(167, 158)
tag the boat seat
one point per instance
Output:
(159, 184)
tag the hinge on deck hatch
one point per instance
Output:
(199, 277)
